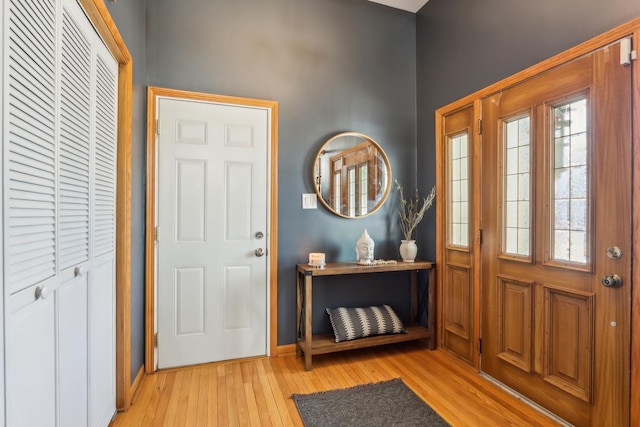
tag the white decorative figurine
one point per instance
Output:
(364, 249)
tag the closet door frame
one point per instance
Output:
(101, 19)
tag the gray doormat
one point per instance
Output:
(387, 403)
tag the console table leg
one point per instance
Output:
(298, 313)
(308, 331)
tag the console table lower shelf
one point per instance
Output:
(309, 345)
(326, 343)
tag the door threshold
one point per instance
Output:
(526, 400)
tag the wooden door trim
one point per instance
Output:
(150, 292)
(635, 266)
(631, 28)
(101, 19)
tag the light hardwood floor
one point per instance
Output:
(257, 392)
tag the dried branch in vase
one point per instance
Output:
(412, 210)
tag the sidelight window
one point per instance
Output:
(458, 221)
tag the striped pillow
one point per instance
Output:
(351, 323)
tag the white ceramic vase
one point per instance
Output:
(408, 250)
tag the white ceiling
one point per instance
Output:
(408, 5)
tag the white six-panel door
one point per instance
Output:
(212, 232)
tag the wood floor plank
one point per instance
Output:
(287, 388)
(183, 398)
(261, 403)
(191, 405)
(269, 394)
(212, 407)
(222, 416)
(202, 402)
(277, 393)
(257, 392)
(240, 397)
(172, 405)
(156, 415)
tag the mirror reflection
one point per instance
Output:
(352, 175)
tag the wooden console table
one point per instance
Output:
(309, 344)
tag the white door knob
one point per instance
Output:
(42, 292)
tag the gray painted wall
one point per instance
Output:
(333, 66)
(337, 65)
(466, 45)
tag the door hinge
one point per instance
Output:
(480, 346)
(157, 126)
(479, 126)
(155, 340)
(626, 53)
(155, 234)
(480, 236)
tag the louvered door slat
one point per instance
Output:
(73, 177)
(33, 234)
(31, 180)
(105, 160)
(74, 143)
(28, 99)
(31, 172)
(71, 128)
(36, 39)
(34, 117)
(32, 191)
(27, 151)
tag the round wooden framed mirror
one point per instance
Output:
(352, 175)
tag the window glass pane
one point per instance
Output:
(579, 149)
(511, 240)
(570, 173)
(512, 134)
(523, 159)
(516, 197)
(458, 190)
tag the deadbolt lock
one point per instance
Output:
(614, 252)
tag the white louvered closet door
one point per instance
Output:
(29, 209)
(59, 153)
(74, 171)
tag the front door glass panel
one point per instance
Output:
(516, 203)
(570, 213)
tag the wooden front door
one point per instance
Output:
(556, 224)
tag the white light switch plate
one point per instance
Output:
(309, 201)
